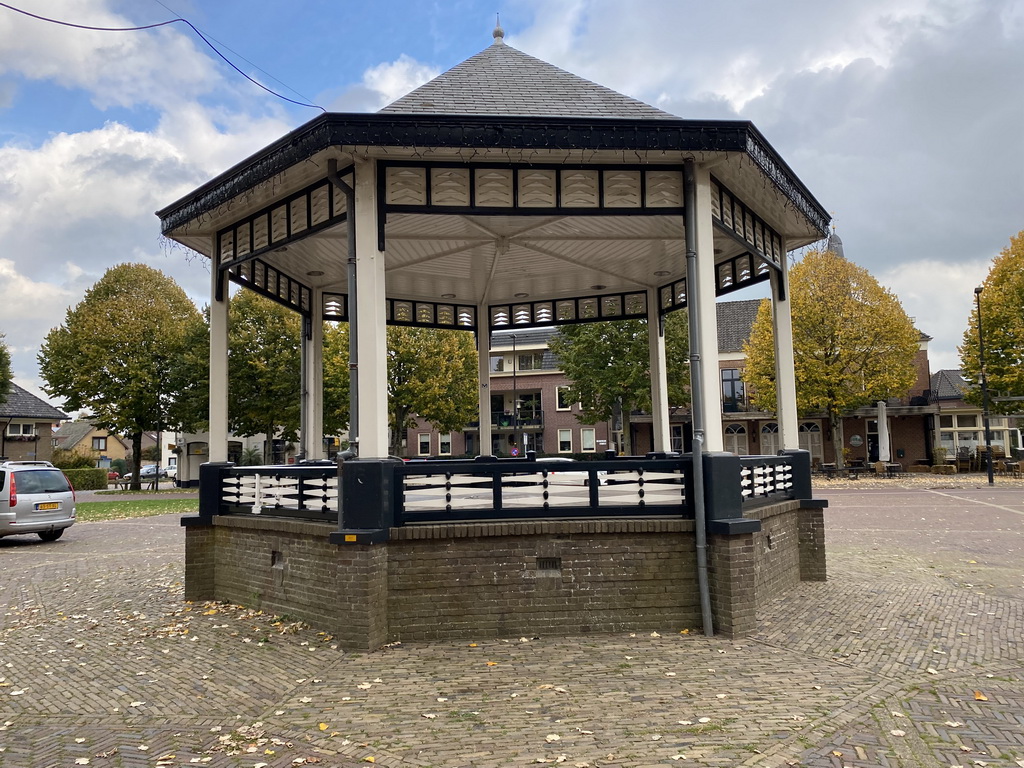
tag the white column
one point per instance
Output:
(371, 333)
(313, 428)
(218, 433)
(785, 376)
(659, 375)
(483, 351)
(705, 288)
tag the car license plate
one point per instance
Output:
(49, 505)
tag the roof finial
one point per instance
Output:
(499, 33)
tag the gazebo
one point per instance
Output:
(505, 193)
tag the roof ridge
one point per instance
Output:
(502, 80)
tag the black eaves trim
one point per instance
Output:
(474, 132)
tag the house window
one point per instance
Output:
(946, 422)
(770, 438)
(99, 443)
(810, 440)
(424, 443)
(445, 444)
(529, 405)
(588, 439)
(733, 394)
(565, 441)
(498, 364)
(531, 361)
(676, 437)
(16, 430)
(736, 439)
(967, 421)
(563, 401)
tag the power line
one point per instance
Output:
(163, 24)
(224, 45)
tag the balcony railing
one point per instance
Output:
(501, 421)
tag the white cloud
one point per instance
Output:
(159, 67)
(939, 296)
(382, 84)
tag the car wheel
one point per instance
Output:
(51, 535)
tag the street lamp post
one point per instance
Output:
(515, 401)
(984, 388)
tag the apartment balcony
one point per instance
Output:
(502, 422)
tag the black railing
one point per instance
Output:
(438, 491)
(308, 491)
(377, 495)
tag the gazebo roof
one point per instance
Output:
(504, 81)
(504, 181)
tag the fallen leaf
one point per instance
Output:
(703, 719)
(655, 634)
(932, 671)
(953, 724)
(897, 714)
(369, 759)
(656, 737)
(492, 663)
(979, 696)
(364, 686)
(428, 715)
(323, 726)
(678, 757)
(552, 737)
(79, 741)
(81, 761)
(898, 732)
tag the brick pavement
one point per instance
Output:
(882, 665)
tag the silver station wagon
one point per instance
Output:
(35, 497)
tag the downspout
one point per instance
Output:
(303, 386)
(353, 337)
(696, 393)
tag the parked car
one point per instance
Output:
(171, 471)
(148, 472)
(112, 475)
(35, 497)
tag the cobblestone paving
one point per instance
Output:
(911, 655)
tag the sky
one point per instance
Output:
(903, 118)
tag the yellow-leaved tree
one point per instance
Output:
(852, 342)
(1002, 320)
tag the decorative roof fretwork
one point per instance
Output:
(529, 188)
(258, 276)
(308, 211)
(416, 314)
(526, 314)
(738, 220)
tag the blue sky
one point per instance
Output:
(902, 116)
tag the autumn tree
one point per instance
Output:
(115, 352)
(432, 373)
(852, 342)
(263, 369)
(608, 363)
(336, 378)
(1002, 317)
(5, 371)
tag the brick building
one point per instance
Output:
(26, 426)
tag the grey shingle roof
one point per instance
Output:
(71, 434)
(501, 80)
(949, 384)
(24, 405)
(735, 319)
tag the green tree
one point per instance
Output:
(336, 378)
(608, 364)
(1002, 315)
(263, 369)
(431, 374)
(5, 371)
(852, 342)
(116, 349)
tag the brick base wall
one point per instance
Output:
(441, 582)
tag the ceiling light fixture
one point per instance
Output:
(447, 295)
(520, 295)
(598, 287)
(661, 272)
(315, 273)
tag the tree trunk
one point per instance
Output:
(627, 432)
(838, 440)
(136, 484)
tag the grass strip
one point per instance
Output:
(95, 511)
